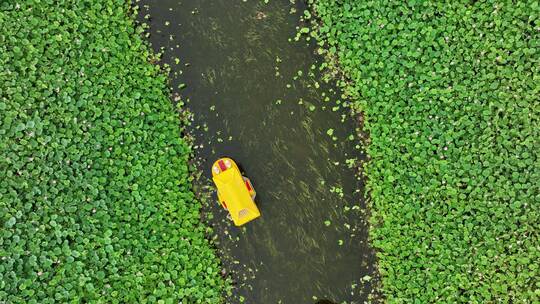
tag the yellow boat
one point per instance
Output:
(235, 192)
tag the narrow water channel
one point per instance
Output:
(257, 99)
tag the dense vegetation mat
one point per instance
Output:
(95, 199)
(451, 98)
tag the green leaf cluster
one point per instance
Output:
(450, 92)
(95, 196)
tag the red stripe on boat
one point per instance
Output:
(248, 185)
(222, 166)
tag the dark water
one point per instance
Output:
(239, 66)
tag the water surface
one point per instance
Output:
(239, 67)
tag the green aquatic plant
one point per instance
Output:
(449, 93)
(95, 194)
